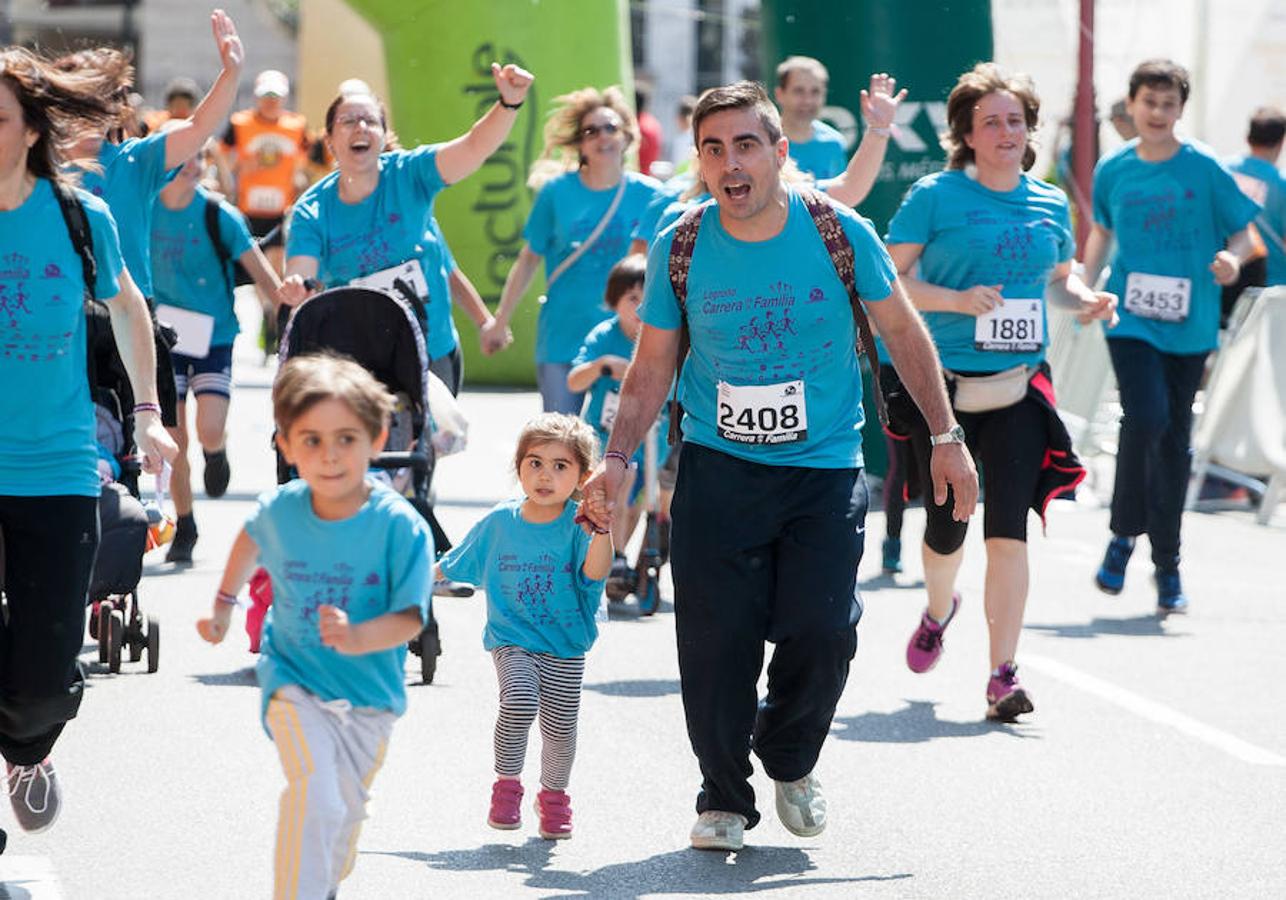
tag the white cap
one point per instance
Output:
(270, 81)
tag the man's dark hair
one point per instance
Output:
(738, 95)
(1267, 127)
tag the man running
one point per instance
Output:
(770, 502)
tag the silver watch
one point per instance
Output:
(955, 436)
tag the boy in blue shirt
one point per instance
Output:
(1180, 224)
(351, 567)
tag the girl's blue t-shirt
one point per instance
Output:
(48, 447)
(1169, 219)
(823, 155)
(392, 226)
(189, 274)
(607, 339)
(771, 313)
(133, 173)
(538, 597)
(563, 216)
(971, 236)
(378, 561)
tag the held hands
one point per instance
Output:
(1226, 267)
(880, 104)
(980, 299)
(951, 465)
(512, 82)
(154, 443)
(215, 628)
(600, 491)
(494, 336)
(231, 53)
(1102, 307)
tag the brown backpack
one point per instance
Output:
(843, 259)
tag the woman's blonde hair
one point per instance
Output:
(572, 432)
(562, 131)
(981, 80)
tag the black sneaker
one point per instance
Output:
(184, 540)
(35, 796)
(217, 473)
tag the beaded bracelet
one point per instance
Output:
(517, 105)
(147, 407)
(617, 454)
(225, 597)
(881, 130)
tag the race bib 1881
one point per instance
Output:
(1015, 326)
(1158, 297)
(762, 414)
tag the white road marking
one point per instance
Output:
(28, 877)
(1157, 712)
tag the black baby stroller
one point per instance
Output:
(116, 618)
(383, 334)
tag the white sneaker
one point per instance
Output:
(801, 806)
(718, 830)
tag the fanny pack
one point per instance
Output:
(984, 393)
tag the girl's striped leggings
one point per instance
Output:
(537, 685)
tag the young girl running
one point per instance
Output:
(544, 577)
(351, 564)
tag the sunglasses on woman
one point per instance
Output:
(593, 131)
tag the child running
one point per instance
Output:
(544, 578)
(350, 562)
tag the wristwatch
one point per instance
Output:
(955, 435)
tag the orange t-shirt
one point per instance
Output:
(266, 156)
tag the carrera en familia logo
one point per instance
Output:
(501, 201)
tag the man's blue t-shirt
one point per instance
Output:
(607, 339)
(133, 173)
(378, 561)
(48, 446)
(189, 274)
(1169, 219)
(1262, 182)
(973, 235)
(391, 226)
(538, 597)
(823, 155)
(563, 216)
(771, 313)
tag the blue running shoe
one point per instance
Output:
(1170, 598)
(892, 555)
(1111, 575)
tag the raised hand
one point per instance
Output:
(879, 103)
(512, 82)
(231, 53)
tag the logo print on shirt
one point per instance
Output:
(372, 580)
(52, 271)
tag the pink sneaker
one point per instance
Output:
(1006, 699)
(506, 804)
(926, 644)
(555, 810)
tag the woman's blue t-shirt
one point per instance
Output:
(771, 314)
(391, 226)
(378, 561)
(48, 446)
(1169, 219)
(189, 273)
(538, 597)
(563, 216)
(133, 173)
(973, 235)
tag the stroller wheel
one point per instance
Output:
(153, 644)
(93, 621)
(430, 650)
(115, 640)
(134, 636)
(104, 612)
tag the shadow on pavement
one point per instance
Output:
(644, 687)
(915, 723)
(629, 612)
(240, 678)
(677, 872)
(884, 581)
(1147, 625)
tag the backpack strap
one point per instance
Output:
(681, 246)
(216, 239)
(843, 259)
(82, 241)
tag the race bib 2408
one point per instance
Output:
(762, 414)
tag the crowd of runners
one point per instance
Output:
(729, 307)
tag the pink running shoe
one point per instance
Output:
(555, 810)
(506, 804)
(926, 644)
(1006, 699)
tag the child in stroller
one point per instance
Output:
(383, 334)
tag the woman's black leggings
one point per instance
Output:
(48, 550)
